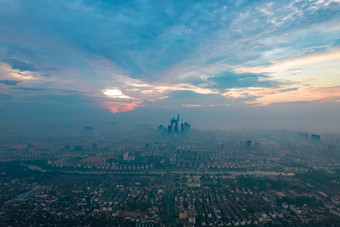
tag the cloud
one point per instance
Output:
(21, 65)
(235, 80)
(292, 63)
(317, 69)
(142, 92)
(250, 92)
(116, 107)
(9, 82)
(138, 89)
(8, 72)
(114, 93)
(192, 105)
(145, 53)
(266, 96)
(328, 94)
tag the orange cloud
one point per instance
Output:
(191, 105)
(313, 70)
(116, 107)
(308, 60)
(302, 94)
(266, 96)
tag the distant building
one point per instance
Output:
(169, 129)
(303, 135)
(161, 128)
(126, 156)
(29, 146)
(173, 128)
(194, 182)
(315, 137)
(247, 144)
(78, 148)
(176, 127)
(331, 148)
(186, 127)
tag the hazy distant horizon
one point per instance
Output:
(321, 118)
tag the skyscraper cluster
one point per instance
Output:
(173, 128)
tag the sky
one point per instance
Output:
(221, 64)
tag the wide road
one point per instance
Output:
(165, 171)
(169, 189)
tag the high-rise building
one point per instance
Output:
(78, 148)
(174, 126)
(186, 127)
(169, 129)
(315, 137)
(126, 156)
(247, 144)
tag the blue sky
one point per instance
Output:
(122, 56)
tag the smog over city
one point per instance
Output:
(170, 113)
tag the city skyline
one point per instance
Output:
(170, 113)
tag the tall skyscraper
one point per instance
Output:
(174, 126)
